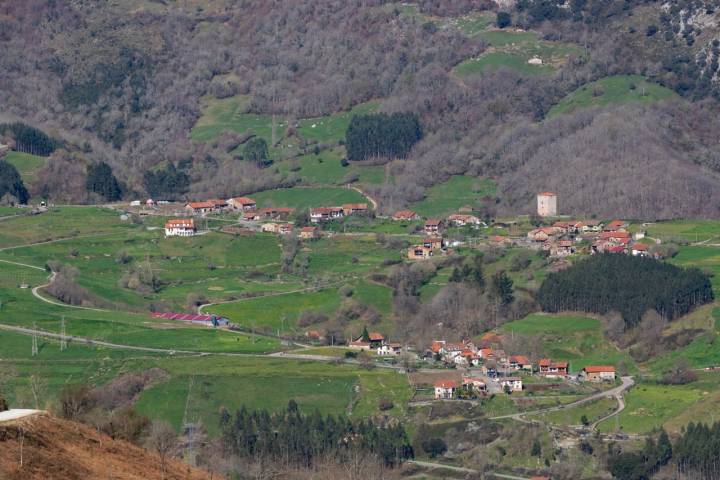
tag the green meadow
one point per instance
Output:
(457, 192)
(613, 90)
(300, 197)
(27, 165)
(332, 128)
(578, 340)
(513, 49)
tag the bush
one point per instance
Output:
(3, 404)
(308, 318)
(651, 30)
(503, 19)
(434, 446)
(385, 404)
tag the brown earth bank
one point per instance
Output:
(52, 448)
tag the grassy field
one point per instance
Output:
(325, 168)
(686, 230)
(513, 49)
(474, 23)
(613, 90)
(332, 128)
(651, 405)
(702, 257)
(270, 384)
(457, 192)
(593, 411)
(25, 164)
(578, 340)
(308, 197)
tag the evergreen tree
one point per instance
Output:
(382, 135)
(29, 139)
(256, 150)
(100, 180)
(502, 288)
(11, 183)
(365, 335)
(169, 183)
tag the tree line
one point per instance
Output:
(627, 284)
(11, 184)
(29, 139)
(382, 135)
(292, 437)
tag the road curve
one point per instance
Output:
(616, 392)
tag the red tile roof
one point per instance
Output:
(243, 201)
(180, 223)
(404, 215)
(640, 247)
(376, 337)
(446, 384)
(355, 206)
(547, 194)
(519, 359)
(433, 222)
(599, 368)
(544, 362)
(199, 205)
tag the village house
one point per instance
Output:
(552, 369)
(280, 228)
(351, 208)
(616, 226)
(513, 384)
(489, 368)
(420, 252)
(588, 226)
(520, 362)
(438, 347)
(597, 373)
(309, 233)
(435, 243)
(460, 220)
(219, 204)
(474, 384)
(405, 215)
(200, 208)
(617, 236)
(543, 234)
(271, 213)
(640, 250)
(324, 214)
(433, 226)
(314, 335)
(562, 248)
(445, 389)
(567, 227)
(242, 203)
(392, 348)
(181, 227)
(500, 241)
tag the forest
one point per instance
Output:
(293, 438)
(380, 135)
(133, 103)
(626, 284)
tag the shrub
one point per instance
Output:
(385, 404)
(651, 30)
(503, 19)
(434, 446)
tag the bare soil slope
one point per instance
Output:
(62, 450)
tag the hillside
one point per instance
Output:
(147, 85)
(55, 449)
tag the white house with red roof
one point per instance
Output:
(405, 215)
(640, 250)
(514, 384)
(433, 226)
(445, 389)
(461, 219)
(180, 227)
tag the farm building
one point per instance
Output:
(351, 208)
(460, 220)
(547, 204)
(242, 203)
(598, 373)
(200, 208)
(405, 215)
(180, 227)
(553, 369)
(323, 214)
(309, 233)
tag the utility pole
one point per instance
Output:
(63, 340)
(34, 341)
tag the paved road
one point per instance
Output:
(616, 392)
(462, 469)
(17, 413)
